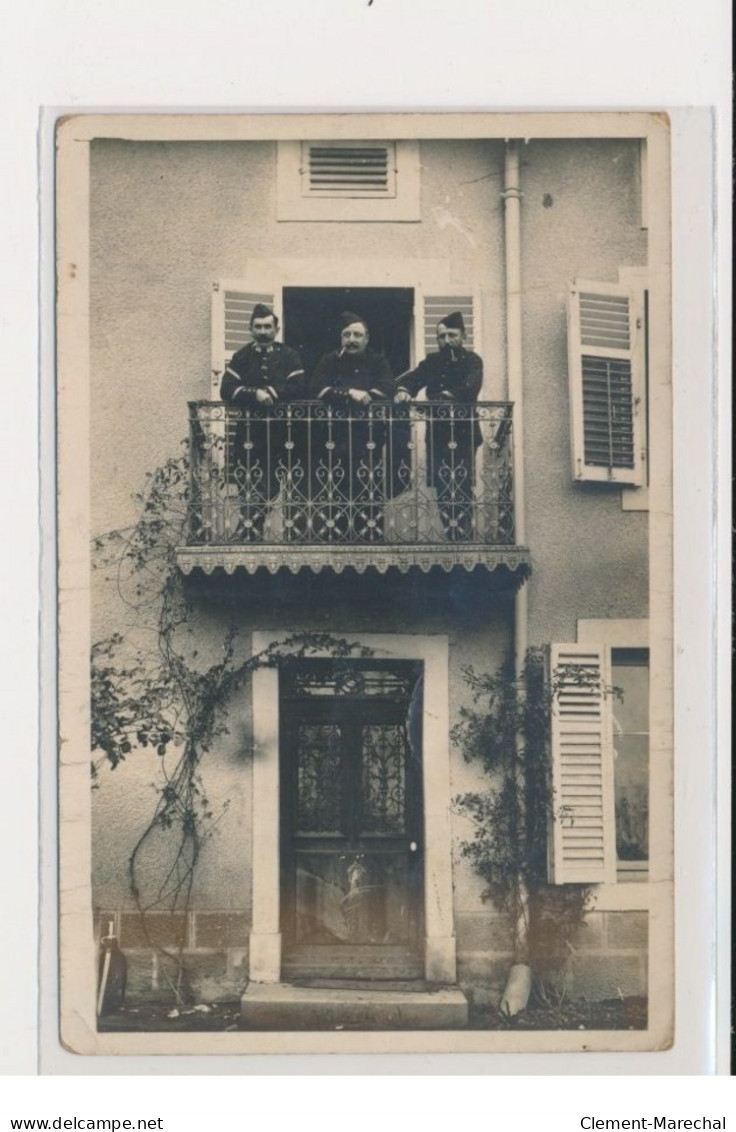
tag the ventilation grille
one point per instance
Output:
(605, 321)
(437, 307)
(608, 412)
(350, 170)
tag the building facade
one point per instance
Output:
(337, 857)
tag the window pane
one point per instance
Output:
(632, 801)
(631, 705)
(630, 676)
(384, 786)
(318, 782)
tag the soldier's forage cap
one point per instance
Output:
(454, 321)
(347, 318)
(260, 310)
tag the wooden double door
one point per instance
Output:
(351, 822)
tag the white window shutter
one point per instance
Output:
(430, 309)
(232, 307)
(607, 360)
(583, 838)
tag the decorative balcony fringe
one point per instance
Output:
(357, 558)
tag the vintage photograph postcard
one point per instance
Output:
(365, 583)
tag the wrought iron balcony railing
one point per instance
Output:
(307, 483)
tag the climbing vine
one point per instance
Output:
(506, 729)
(156, 688)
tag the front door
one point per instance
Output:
(351, 820)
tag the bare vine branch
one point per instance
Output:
(166, 698)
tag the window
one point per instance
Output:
(607, 373)
(630, 710)
(347, 180)
(600, 762)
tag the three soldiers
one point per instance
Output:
(342, 489)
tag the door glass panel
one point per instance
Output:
(384, 778)
(351, 898)
(318, 778)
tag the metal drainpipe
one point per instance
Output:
(518, 986)
(511, 197)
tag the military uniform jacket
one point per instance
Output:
(274, 368)
(455, 374)
(337, 372)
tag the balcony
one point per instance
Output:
(310, 485)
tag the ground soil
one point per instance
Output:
(158, 1017)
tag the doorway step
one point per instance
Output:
(356, 962)
(282, 1006)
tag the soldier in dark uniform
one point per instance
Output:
(348, 488)
(260, 376)
(453, 377)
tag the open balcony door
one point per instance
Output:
(233, 302)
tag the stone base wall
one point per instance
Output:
(608, 958)
(214, 947)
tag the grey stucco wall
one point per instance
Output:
(580, 219)
(477, 624)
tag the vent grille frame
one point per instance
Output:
(392, 192)
(349, 170)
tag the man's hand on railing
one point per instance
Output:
(359, 396)
(263, 398)
(402, 397)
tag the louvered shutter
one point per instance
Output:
(231, 311)
(583, 838)
(349, 169)
(431, 310)
(606, 346)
